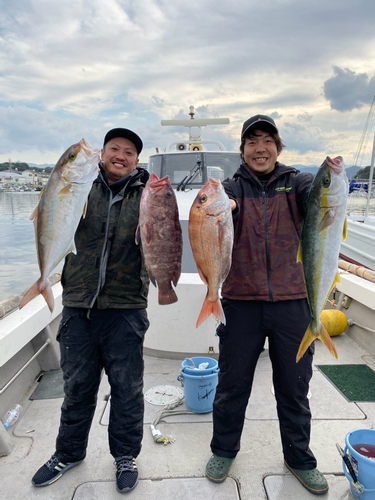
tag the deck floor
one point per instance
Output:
(177, 470)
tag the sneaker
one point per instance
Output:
(217, 468)
(313, 480)
(126, 474)
(51, 471)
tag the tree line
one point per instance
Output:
(21, 167)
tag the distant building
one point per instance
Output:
(11, 177)
(31, 177)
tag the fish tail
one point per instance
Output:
(309, 337)
(39, 287)
(211, 307)
(168, 297)
(327, 341)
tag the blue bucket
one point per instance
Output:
(199, 385)
(363, 467)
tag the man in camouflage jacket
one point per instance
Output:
(104, 320)
(264, 295)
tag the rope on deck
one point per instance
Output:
(167, 411)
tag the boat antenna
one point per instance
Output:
(195, 126)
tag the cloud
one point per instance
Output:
(348, 90)
(79, 67)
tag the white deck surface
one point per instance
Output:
(176, 471)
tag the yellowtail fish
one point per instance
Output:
(59, 211)
(324, 228)
(211, 240)
(160, 231)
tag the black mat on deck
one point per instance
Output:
(51, 386)
(355, 382)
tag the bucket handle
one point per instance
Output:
(358, 487)
(180, 376)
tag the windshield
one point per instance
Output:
(195, 167)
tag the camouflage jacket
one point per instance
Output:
(267, 228)
(109, 269)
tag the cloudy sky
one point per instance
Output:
(76, 68)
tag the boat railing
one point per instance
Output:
(11, 303)
(19, 327)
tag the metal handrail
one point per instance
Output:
(47, 342)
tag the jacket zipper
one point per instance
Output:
(267, 245)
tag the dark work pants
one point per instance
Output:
(248, 323)
(111, 339)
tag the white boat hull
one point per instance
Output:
(359, 246)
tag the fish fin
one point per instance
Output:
(176, 276)
(202, 276)
(345, 229)
(147, 233)
(39, 287)
(152, 278)
(72, 249)
(327, 341)
(309, 337)
(299, 253)
(65, 190)
(327, 220)
(209, 308)
(168, 297)
(42, 191)
(35, 213)
(34, 217)
(138, 235)
(84, 210)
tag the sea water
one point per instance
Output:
(18, 258)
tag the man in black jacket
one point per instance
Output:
(104, 319)
(264, 295)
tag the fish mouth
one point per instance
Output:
(156, 183)
(336, 165)
(213, 181)
(87, 149)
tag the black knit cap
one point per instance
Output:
(127, 134)
(258, 119)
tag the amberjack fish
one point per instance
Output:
(60, 208)
(324, 228)
(160, 232)
(211, 240)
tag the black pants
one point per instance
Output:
(248, 323)
(111, 339)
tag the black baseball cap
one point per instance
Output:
(127, 134)
(258, 119)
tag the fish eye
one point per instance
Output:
(203, 198)
(72, 156)
(326, 181)
(168, 194)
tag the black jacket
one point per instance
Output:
(108, 270)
